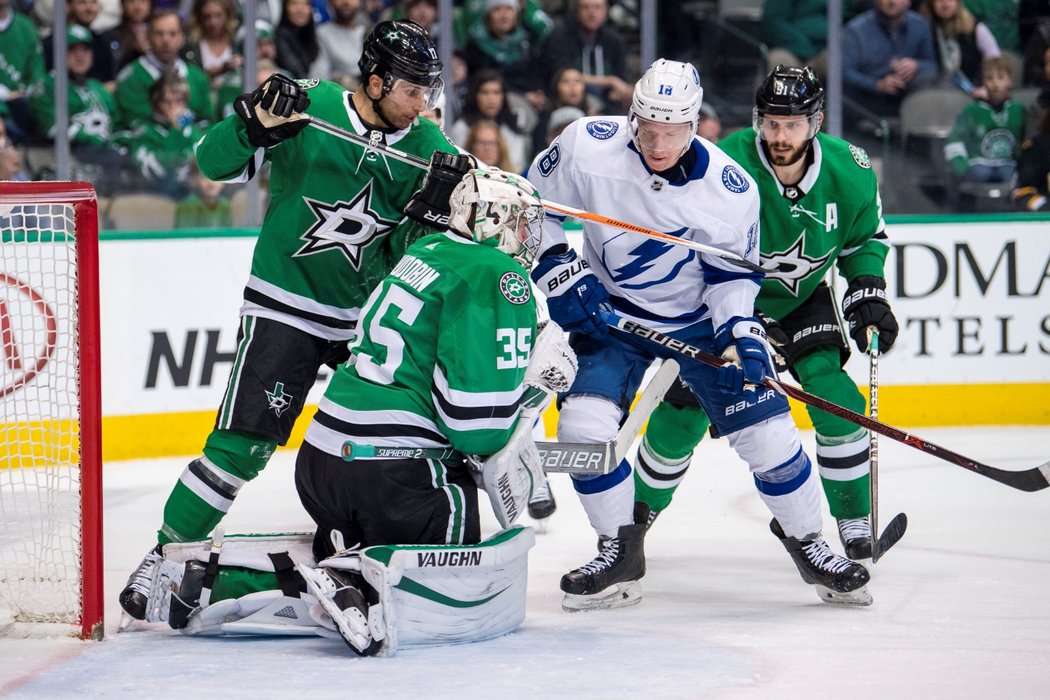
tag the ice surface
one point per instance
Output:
(961, 604)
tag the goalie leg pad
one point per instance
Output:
(448, 594)
(255, 557)
(268, 613)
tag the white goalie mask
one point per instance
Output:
(499, 209)
(669, 93)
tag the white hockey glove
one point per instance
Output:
(552, 367)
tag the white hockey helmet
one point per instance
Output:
(668, 93)
(499, 209)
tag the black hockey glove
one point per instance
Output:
(429, 205)
(777, 339)
(273, 111)
(865, 305)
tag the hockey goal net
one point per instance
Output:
(50, 422)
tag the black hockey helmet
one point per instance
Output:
(790, 92)
(400, 49)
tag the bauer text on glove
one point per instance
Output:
(865, 305)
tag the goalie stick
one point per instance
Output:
(563, 457)
(880, 544)
(418, 162)
(1033, 479)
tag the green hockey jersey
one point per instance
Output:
(440, 357)
(21, 58)
(984, 135)
(334, 226)
(91, 110)
(163, 154)
(837, 219)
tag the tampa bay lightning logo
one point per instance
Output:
(602, 129)
(549, 160)
(734, 180)
(651, 263)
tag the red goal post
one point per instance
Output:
(50, 409)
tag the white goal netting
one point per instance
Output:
(41, 478)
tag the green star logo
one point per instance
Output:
(515, 288)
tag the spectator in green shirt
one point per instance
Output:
(21, 65)
(206, 206)
(91, 111)
(166, 40)
(162, 149)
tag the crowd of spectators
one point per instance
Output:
(146, 77)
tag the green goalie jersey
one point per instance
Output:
(334, 225)
(837, 219)
(441, 354)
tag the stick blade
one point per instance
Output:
(889, 537)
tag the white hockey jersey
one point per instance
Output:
(594, 166)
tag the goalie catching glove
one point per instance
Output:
(430, 204)
(742, 341)
(273, 111)
(865, 305)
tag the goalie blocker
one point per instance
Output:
(413, 595)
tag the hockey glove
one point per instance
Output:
(430, 205)
(273, 111)
(742, 342)
(575, 297)
(865, 305)
(777, 339)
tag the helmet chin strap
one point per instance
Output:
(377, 108)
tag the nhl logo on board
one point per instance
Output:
(602, 129)
(514, 288)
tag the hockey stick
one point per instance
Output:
(564, 457)
(880, 544)
(418, 162)
(1034, 479)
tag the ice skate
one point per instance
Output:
(339, 595)
(148, 591)
(610, 580)
(855, 534)
(644, 515)
(542, 504)
(838, 580)
(185, 601)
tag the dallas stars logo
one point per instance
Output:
(348, 227)
(514, 288)
(278, 400)
(792, 266)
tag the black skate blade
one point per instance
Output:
(889, 537)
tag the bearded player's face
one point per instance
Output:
(787, 138)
